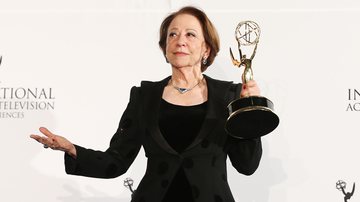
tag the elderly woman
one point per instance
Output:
(179, 121)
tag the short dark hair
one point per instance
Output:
(210, 34)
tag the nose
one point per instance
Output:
(181, 41)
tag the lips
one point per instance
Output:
(178, 53)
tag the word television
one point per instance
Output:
(15, 101)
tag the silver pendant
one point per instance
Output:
(182, 90)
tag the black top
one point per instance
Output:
(180, 125)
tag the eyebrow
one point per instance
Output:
(175, 28)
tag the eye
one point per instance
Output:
(191, 34)
(172, 34)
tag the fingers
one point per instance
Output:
(36, 137)
(41, 140)
(53, 141)
(48, 140)
(46, 132)
(250, 89)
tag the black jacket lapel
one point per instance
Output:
(152, 92)
(217, 111)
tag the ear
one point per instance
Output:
(207, 50)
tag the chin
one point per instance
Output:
(179, 65)
(183, 63)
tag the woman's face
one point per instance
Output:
(185, 44)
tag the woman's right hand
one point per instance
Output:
(55, 142)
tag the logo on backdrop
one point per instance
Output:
(341, 186)
(128, 183)
(353, 100)
(15, 101)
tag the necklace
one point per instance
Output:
(184, 90)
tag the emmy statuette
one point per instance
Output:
(249, 116)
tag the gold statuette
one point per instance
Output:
(251, 116)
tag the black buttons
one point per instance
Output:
(163, 168)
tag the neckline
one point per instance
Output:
(176, 105)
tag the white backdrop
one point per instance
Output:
(87, 54)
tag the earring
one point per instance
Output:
(204, 61)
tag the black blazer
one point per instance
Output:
(204, 160)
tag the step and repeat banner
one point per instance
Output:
(69, 66)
